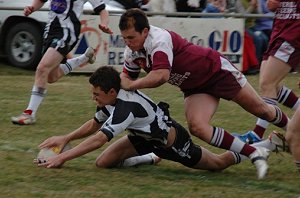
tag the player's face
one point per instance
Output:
(133, 39)
(101, 98)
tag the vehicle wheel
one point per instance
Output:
(23, 45)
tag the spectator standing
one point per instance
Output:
(261, 30)
(250, 61)
(215, 6)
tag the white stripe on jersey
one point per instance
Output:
(158, 39)
(240, 77)
(137, 113)
(284, 52)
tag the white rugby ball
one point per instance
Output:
(49, 152)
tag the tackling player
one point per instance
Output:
(202, 74)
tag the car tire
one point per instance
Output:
(23, 45)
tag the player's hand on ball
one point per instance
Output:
(51, 162)
(49, 156)
(55, 141)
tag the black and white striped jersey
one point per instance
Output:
(64, 20)
(138, 114)
(63, 8)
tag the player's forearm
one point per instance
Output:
(90, 144)
(37, 4)
(104, 17)
(85, 130)
(154, 79)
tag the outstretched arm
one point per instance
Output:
(90, 144)
(85, 130)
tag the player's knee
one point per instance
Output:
(266, 86)
(197, 128)
(101, 164)
(51, 79)
(42, 71)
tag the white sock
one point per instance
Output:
(262, 123)
(73, 63)
(139, 160)
(284, 94)
(37, 96)
(296, 105)
(264, 143)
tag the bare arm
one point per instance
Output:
(85, 130)
(90, 144)
(104, 20)
(153, 79)
(36, 5)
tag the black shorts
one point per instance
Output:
(183, 149)
(63, 39)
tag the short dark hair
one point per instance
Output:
(134, 18)
(106, 78)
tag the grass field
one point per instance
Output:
(68, 104)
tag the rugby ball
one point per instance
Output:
(49, 152)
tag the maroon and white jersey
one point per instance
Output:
(191, 65)
(287, 22)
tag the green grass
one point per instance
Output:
(68, 104)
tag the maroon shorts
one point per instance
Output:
(224, 84)
(284, 51)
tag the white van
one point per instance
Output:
(21, 37)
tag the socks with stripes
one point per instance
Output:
(264, 143)
(223, 139)
(288, 98)
(262, 125)
(280, 119)
(73, 63)
(37, 96)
